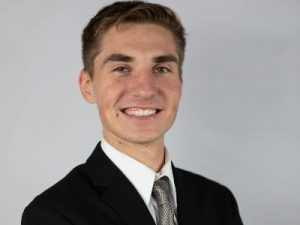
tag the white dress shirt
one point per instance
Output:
(141, 176)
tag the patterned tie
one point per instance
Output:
(162, 194)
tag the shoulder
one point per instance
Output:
(205, 188)
(215, 200)
(62, 200)
(198, 180)
(65, 189)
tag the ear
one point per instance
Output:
(86, 86)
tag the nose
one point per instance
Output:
(144, 84)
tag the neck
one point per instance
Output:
(151, 154)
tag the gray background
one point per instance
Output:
(239, 117)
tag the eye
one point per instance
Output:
(121, 69)
(161, 69)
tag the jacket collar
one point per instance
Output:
(120, 194)
(188, 208)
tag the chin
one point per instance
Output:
(143, 139)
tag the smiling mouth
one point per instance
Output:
(139, 112)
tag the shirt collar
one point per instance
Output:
(141, 176)
(166, 170)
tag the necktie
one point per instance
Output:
(162, 194)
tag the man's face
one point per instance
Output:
(135, 84)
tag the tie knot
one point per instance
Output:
(162, 195)
(161, 191)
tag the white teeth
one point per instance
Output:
(140, 112)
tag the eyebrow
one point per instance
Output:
(118, 58)
(126, 58)
(165, 58)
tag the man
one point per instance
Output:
(133, 54)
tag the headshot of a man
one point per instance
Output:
(133, 52)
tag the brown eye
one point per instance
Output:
(161, 69)
(121, 69)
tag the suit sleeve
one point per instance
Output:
(40, 216)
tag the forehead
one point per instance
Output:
(138, 39)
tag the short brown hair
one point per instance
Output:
(129, 12)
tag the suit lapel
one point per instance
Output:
(188, 208)
(120, 194)
(124, 198)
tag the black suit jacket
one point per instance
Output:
(98, 193)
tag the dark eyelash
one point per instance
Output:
(121, 69)
(163, 68)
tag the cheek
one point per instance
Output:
(108, 99)
(175, 93)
